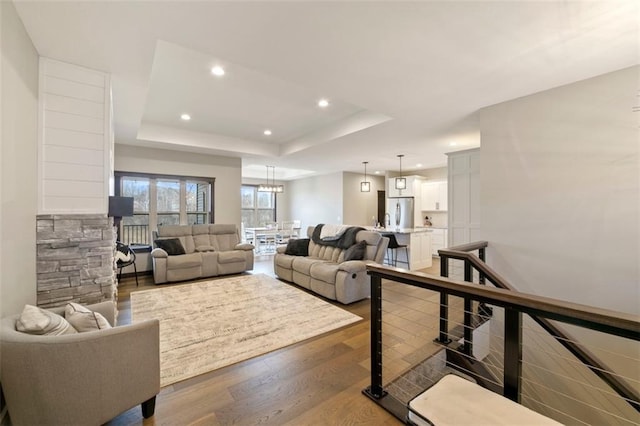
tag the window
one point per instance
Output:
(258, 208)
(162, 200)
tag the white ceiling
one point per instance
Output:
(402, 77)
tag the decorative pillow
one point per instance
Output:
(34, 320)
(298, 247)
(172, 246)
(356, 251)
(83, 319)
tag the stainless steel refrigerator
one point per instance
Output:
(401, 212)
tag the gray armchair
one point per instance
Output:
(79, 379)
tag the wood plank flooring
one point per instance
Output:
(314, 382)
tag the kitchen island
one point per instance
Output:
(418, 242)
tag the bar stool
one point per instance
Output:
(392, 259)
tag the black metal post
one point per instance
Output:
(512, 354)
(444, 305)
(467, 347)
(375, 390)
(482, 256)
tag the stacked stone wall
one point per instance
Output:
(75, 259)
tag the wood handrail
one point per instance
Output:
(589, 359)
(476, 245)
(612, 322)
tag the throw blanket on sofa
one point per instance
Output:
(346, 239)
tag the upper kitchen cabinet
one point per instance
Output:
(414, 184)
(434, 196)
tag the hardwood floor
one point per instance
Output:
(314, 382)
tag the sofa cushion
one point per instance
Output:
(184, 261)
(303, 264)
(201, 240)
(205, 248)
(34, 320)
(284, 260)
(324, 272)
(356, 252)
(298, 247)
(172, 246)
(84, 319)
(231, 256)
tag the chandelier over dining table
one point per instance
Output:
(271, 186)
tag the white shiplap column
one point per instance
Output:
(75, 146)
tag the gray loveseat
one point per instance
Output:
(209, 250)
(325, 272)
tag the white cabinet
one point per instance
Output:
(438, 240)
(413, 187)
(420, 250)
(434, 196)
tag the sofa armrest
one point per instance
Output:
(281, 249)
(244, 246)
(106, 309)
(352, 266)
(158, 252)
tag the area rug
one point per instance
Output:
(211, 324)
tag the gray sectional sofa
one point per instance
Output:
(325, 272)
(209, 250)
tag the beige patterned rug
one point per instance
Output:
(211, 324)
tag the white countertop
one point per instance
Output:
(399, 230)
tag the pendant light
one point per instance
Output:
(365, 186)
(401, 183)
(271, 187)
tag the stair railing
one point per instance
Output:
(514, 303)
(471, 261)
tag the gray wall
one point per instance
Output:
(226, 170)
(560, 206)
(560, 191)
(360, 207)
(18, 156)
(316, 199)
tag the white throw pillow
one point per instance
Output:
(34, 320)
(83, 319)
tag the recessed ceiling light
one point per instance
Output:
(323, 103)
(217, 70)
(419, 165)
(453, 143)
(185, 117)
(267, 132)
(377, 172)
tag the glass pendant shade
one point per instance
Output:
(401, 183)
(365, 186)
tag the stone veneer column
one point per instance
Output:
(75, 259)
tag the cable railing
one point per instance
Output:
(486, 273)
(405, 317)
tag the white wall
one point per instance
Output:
(560, 207)
(560, 191)
(359, 208)
(18, 156)
(317, 199)
(226, 170)
(76, 139)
